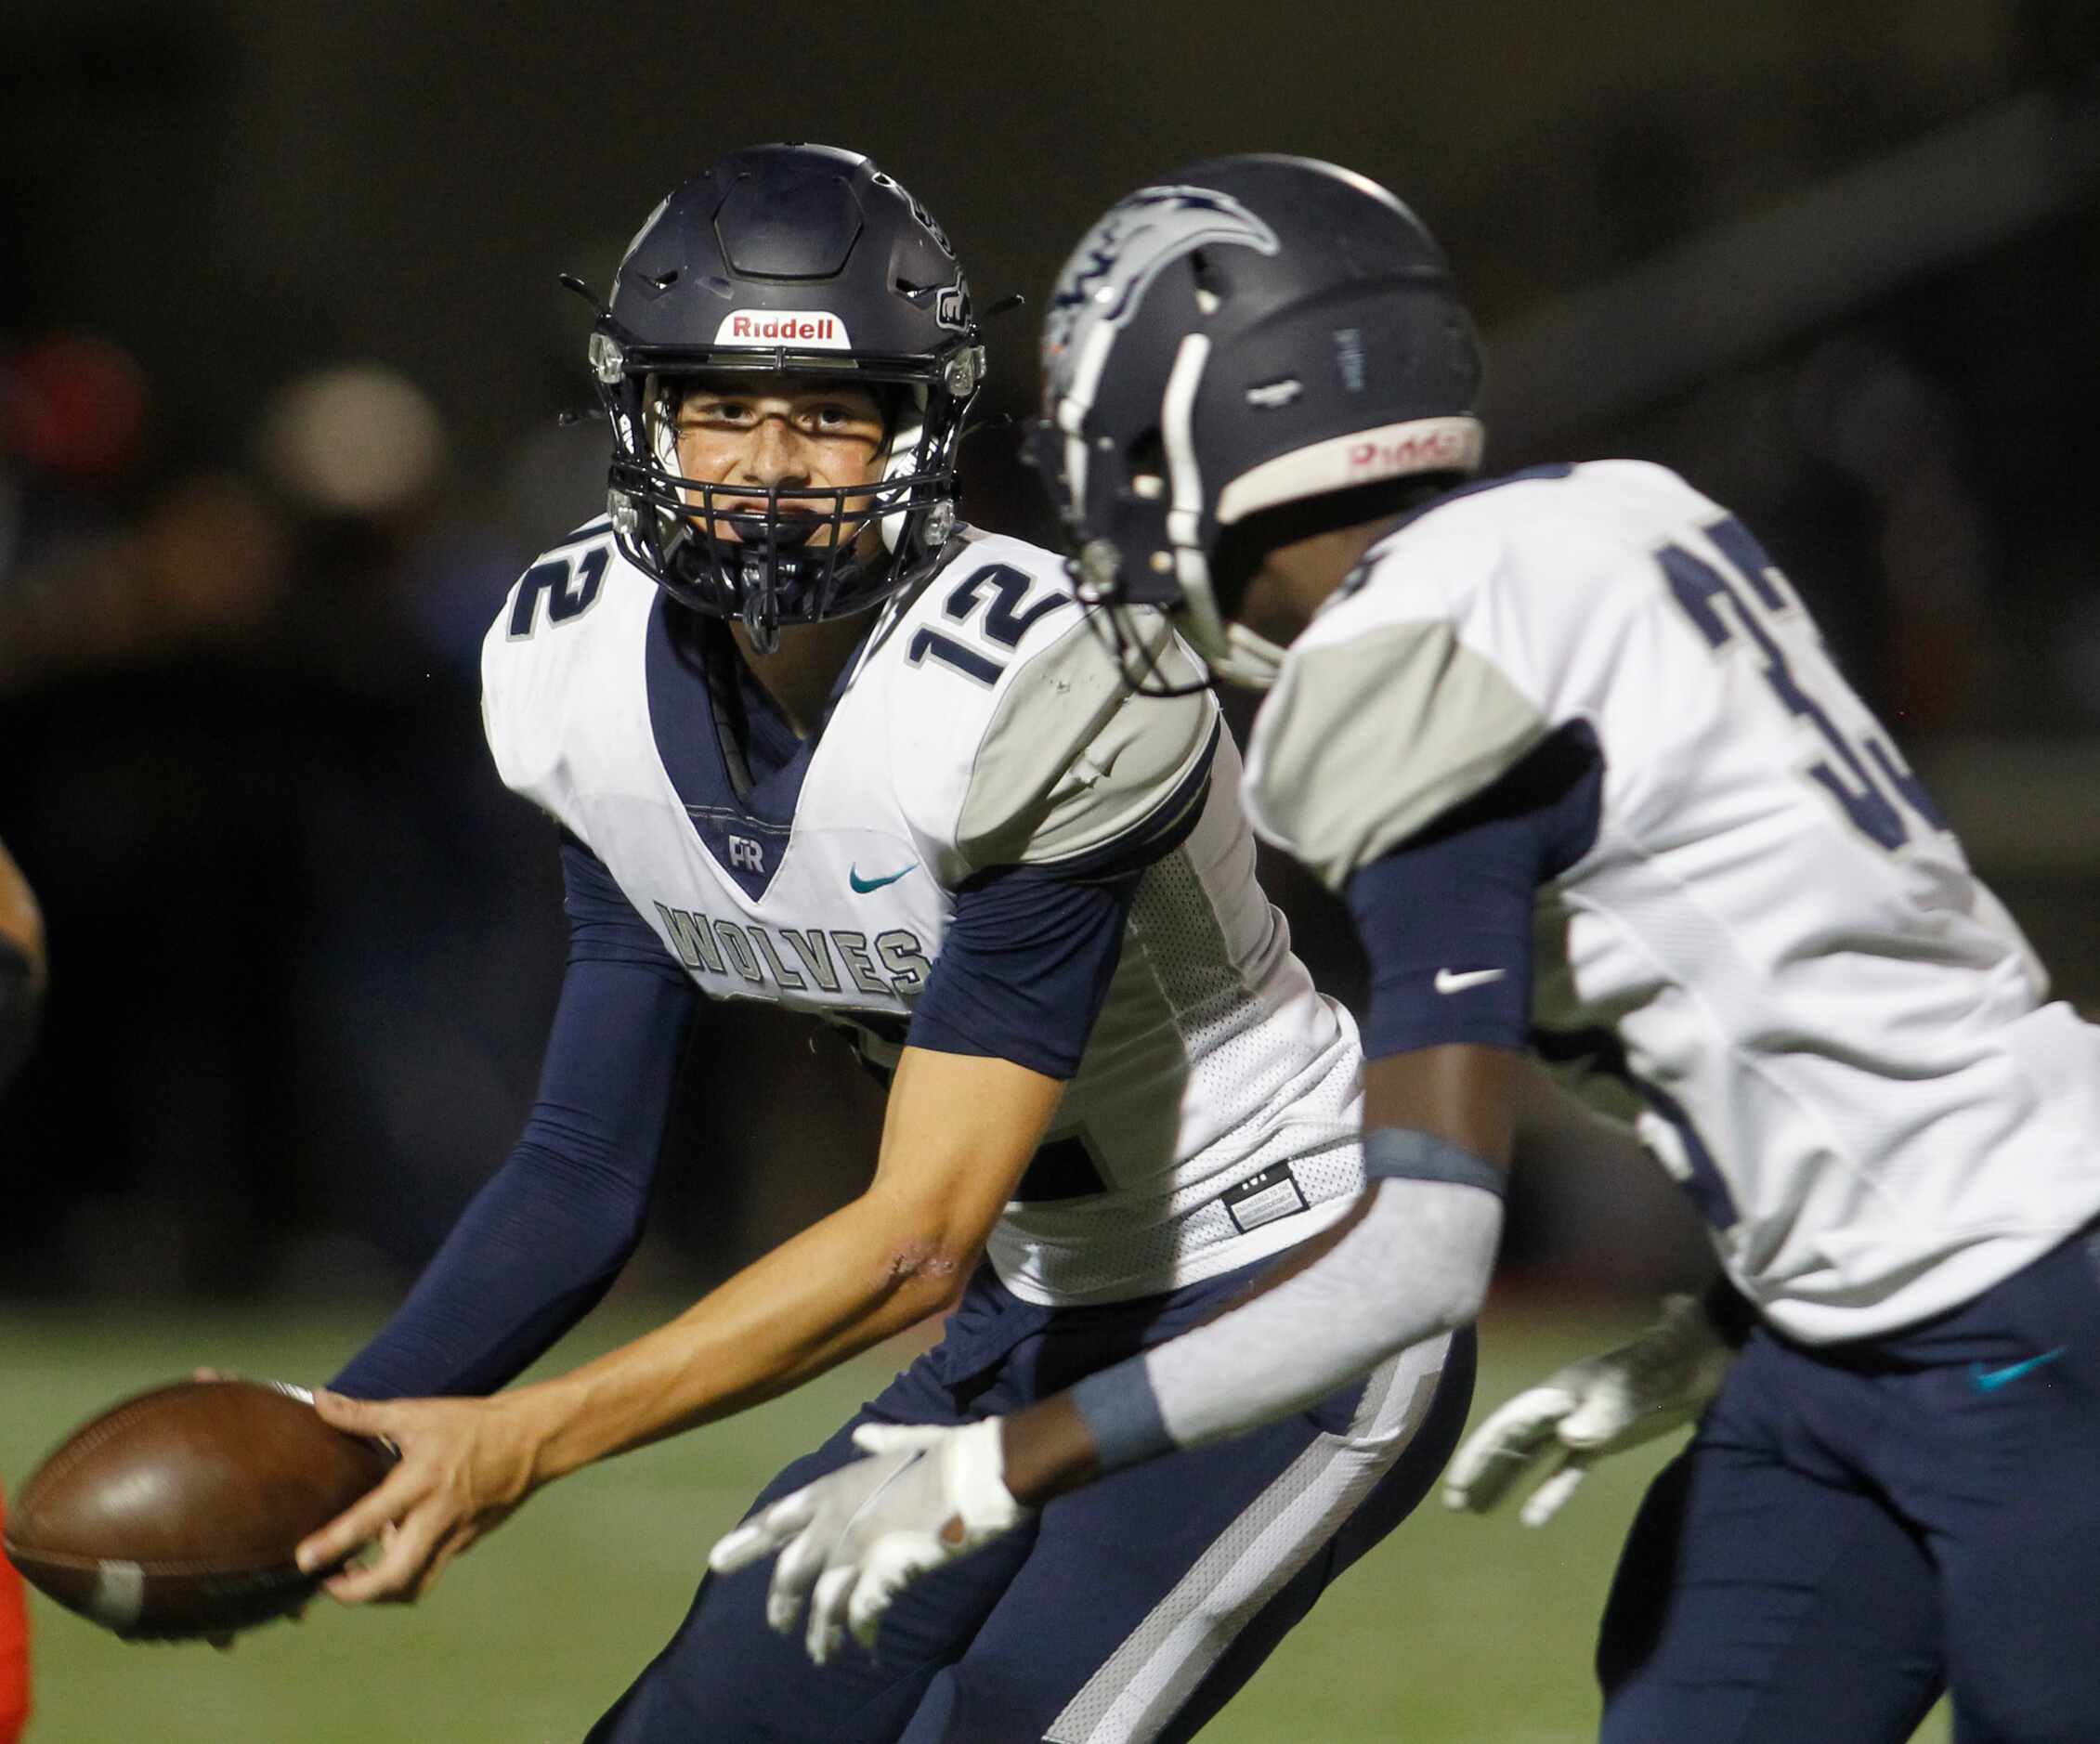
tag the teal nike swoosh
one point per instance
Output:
(1991, 1380)
(862, 886)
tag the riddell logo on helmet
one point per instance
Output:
(803, 329)
(1420, 451)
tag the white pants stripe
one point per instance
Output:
(1141, 1685)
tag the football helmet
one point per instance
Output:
(1251, 332)
(786, 259)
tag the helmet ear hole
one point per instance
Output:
(1145, 466)
(1210, 286)
(1148, 454)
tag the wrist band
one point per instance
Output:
(1403, 1153)
(1122, 1415)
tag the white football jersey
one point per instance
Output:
(1214, 1117)
(1843, 1040)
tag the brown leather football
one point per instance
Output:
(174, 1514)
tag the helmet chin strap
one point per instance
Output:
(1110, 617)
(757, 570)
(1137, 655)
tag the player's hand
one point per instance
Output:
(465, 1464)
(858, 1536)
(1590, 1410)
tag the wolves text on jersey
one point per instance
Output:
(893, 965)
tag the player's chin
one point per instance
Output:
(1268, 609)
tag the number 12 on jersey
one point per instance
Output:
(1864, 775)
(1004, 622)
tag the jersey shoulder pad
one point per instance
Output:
(1395, 705)
(1505, 610)
(1061, 762)
(1659, 491)
(567, 638)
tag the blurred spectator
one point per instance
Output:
(356, 440)
(74, 406)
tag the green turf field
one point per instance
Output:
(1455, 1631)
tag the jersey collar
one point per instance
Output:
(747, 835)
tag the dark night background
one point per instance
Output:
(280, 358)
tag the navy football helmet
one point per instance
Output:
(1250, 334)
(786, 259)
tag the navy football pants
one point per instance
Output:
(1130, 1610)
(1854, 1528)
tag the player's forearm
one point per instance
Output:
(863, 1274)
(959, 1132)
(533, 1252)
(1049, 1447)
(1412, 1262)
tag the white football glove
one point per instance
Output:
(1590, 1410)
(860, 1535)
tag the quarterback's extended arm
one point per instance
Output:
(959, 1134)
(963, 1121)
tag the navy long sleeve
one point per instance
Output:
(1029, 954)
(544, 1239)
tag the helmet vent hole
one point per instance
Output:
(664, 280)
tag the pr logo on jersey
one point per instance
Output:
(805, 329)
(1122, 254)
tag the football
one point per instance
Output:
(175, 1514)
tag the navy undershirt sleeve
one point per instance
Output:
(1024, 968)
(1445, 918)
(541, 1241)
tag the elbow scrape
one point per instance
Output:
(921, 1259)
